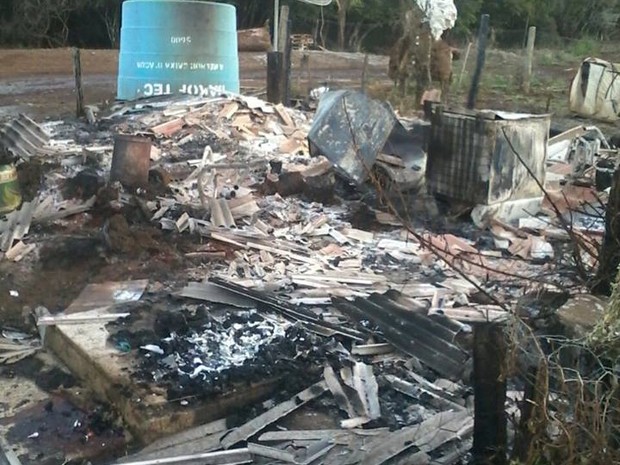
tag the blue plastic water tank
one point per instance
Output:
(177, 46)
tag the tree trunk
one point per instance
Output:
(354, 36)
(343, 6)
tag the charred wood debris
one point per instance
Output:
(348, 254)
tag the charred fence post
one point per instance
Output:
(279, 62)
(609, 256)
(483, 34)
(275, 77)
(490, 438)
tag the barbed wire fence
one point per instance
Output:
(556, 58)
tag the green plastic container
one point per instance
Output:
(10, 197)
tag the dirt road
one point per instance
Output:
(40, 82)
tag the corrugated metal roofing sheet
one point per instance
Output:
(411, 330)
(23, 137)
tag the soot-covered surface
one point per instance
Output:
(199, 351)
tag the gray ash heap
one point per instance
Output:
(206, 357)
(217, 347)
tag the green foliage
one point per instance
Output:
(370, 25)
(585, 47)
(576, 18)
(468, 17)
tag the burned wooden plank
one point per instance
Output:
(198, 433)
(169, 128)
(319, 434)
(284, 116)
(365, 383)
(254, 426)
(19, 251)
(228, 457)
(342, 400)
(202, 445)
(92, 316)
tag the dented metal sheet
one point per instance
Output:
(350, 130)
(472, 155)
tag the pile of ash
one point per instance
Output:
(196, 357)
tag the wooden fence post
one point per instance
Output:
(279, 62)
(288, 63)
(483, 34)
(464, 66)
(365, 73)
(529, 59)
(77, 72)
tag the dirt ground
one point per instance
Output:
(40, 82)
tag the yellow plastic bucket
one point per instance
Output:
(10, 197)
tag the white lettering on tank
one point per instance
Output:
(155, 89)
(180, 39)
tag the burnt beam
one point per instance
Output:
(483, 33)
(275, 77)
(490, 440)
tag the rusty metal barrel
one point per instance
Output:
(131, 160)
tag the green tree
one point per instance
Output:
(468, 16)
(578, 18)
